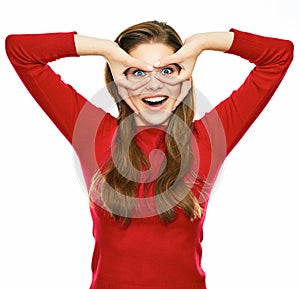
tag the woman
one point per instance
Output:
(150, 171)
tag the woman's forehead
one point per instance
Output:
(151, 52)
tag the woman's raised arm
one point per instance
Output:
(30, 55)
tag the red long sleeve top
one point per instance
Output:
(148, 254)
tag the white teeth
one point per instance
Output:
(155, 99)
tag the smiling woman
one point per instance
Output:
(152, 94)
(155, 100)
(149, 43)
(149, 171)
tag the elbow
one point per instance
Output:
(10, 45)
(15, 49)
(287, 52)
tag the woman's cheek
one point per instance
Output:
(136, 92)
(174, 90)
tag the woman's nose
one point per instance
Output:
(154, 83)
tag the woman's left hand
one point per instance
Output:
(185, 57)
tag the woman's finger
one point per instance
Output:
(132, 85)
(173, 80)
(124, 94)
(134, 62)
(174, 58)
(185, 88)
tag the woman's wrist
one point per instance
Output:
(86, 45)
(219, 41)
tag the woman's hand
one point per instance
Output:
(185, 57)
(193, 46)
(118, 60)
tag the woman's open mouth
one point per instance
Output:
(155, 101)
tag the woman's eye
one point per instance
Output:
(166, 70)
(139, 73)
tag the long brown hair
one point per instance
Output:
(118, 182)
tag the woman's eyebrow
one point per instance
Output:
(131, 68)
(158, 68)
(177, 66)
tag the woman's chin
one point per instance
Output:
(149, 117)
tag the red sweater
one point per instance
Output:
(148, 254)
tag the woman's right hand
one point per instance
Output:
(118, 59)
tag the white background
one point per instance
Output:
(251, 234)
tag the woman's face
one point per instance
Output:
(155, 100)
